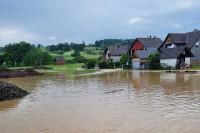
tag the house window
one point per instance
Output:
(171, 46)
(197, 45)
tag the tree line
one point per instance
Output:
(24, 54)
(108, 42)
(66, 47)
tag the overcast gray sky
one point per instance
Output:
(53, 21)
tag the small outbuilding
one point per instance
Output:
(59, 60)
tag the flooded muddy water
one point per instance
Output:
(122, 101)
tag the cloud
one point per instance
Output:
(134, 20)
(177, 26)
(12, 35)
(51, 38)
(96, 10)
(94, 19)
(185, 4)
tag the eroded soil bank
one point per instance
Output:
(8, 73)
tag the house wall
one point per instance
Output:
(196, 51)
(169, 62)
(107, 57)
(116, 58)
(137, 46)
(187, 60)
(136, 63)
(60, 62)
(168, 41)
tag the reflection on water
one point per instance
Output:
(146, 102)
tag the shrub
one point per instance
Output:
(79, 59)
(76, 53)
(154, 61)
(117, 64)
(91, 63)
(106, 65)
(60, 52)
(2, 59)
(124, 60)
(103, 64)
(70, 61)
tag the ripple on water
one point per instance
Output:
(147, 102)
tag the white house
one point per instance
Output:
(191, 40)
(114, 53)
(176, 57)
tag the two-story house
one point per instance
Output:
(188, 44)
(142, 48)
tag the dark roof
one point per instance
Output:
(59, 58)
(118, 50)
(174, 52)
(144, 54)
(150, 42)
(189, 38)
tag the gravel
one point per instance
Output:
(10, 92)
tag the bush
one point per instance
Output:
(60, 52)
(117, 64)
(79, 59)
(76, 53)
(2, 59)
(124, 60)
(154, 61)
(91, 52)
(103, 64)
(106, 65)
(70, 61)
(91, 63)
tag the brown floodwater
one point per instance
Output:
(114, 102)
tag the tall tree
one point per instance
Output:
(14, 53)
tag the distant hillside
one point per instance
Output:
(109, 42)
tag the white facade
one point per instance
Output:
(107, 55)
(114, 58)
(170, 62)
(187, 60)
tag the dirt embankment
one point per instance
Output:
(10, 92)
(8, 73)
(41, 68)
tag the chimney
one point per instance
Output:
(195, 30)
(154, 37)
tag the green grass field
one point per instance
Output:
(67, 55)
(69, 69)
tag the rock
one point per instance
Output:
(10, 92)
